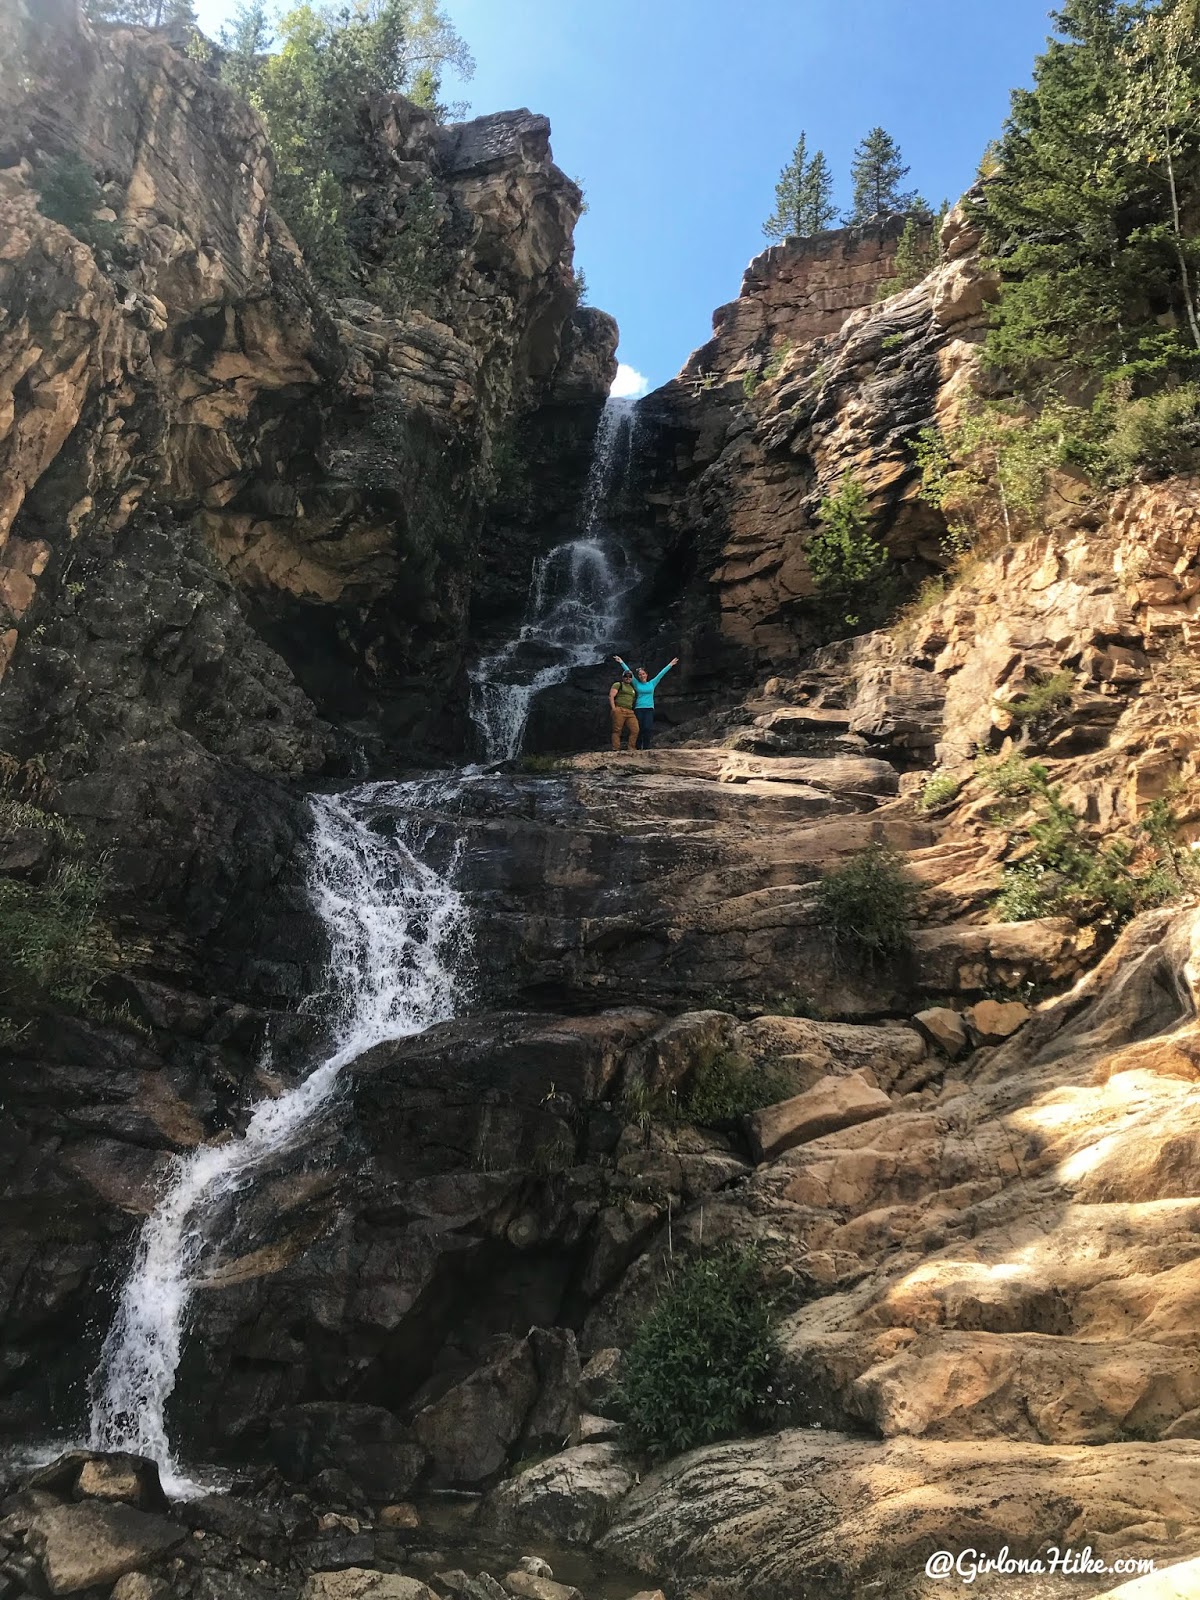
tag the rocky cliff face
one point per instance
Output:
(974, 1195)
(239, 541)
(809, 376)
(330, 466)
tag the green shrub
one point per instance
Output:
(417, 262)
(774, 365)
(847, 564)
(702, 1364)
(1042, 701)
(1013, 777)
(917, 253)
(750, 384)
(68, 193)
(643, 1106)
(50, 935)
(725, 1086)
(1001, 456)
(866, 906)
(938, 790)
(894, 341)
(1064, 871)
(1154, 436)
(542, 766)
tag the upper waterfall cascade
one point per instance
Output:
(575, 605)
(396, 928)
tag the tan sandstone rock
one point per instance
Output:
(90, 1543)
(993, 1021)
(1178, 1582)
(945, 1029)
(831, 1104)
(530, 1586)
(357, 1583)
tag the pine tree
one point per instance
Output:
(172, 14)
(131, 13)
(803, 196)
(817, 210)
(176, 15)
(1098, 268)
(877, 171)
(785, 219)
(917, 253)
(245, 43)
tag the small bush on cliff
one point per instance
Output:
(848, 565)
(999, 459)
(938, 790)
(1012, 777)
(726, 1086)
(702, 1365)
(917, 253)
(50, 936)
(68, 193)
(1062, 869)
(1154, 436)
(1042, 701)
(866, 906)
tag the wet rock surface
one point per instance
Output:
(255, 1543)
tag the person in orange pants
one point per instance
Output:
(620, 699)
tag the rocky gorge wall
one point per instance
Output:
(973, 1193)
(240, 535)
(810, 375)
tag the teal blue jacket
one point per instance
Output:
(644, 692)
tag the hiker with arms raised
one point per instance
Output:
(643, 697)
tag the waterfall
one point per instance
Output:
(574, 608)
(395, 930)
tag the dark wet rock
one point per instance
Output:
(371, 1445)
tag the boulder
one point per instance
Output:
(88, 1544)
(401, 1515)
(831, 1104)
(357, 1583)
(601, 1378)
(140, 1586)
(527, 1586)
(993, 1021)
(370, 1444)
(801, 1501)
(553, 1421)
(945, 1030)
(674, 1050)
(469, 1430)
(132, 1479)
(570, 1498)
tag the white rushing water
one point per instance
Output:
(574, 609)
(395, 929)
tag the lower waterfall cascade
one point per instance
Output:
(397, 932)
(575, 605)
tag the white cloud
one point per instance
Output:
(628, 383)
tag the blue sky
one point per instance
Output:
(676, 116)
